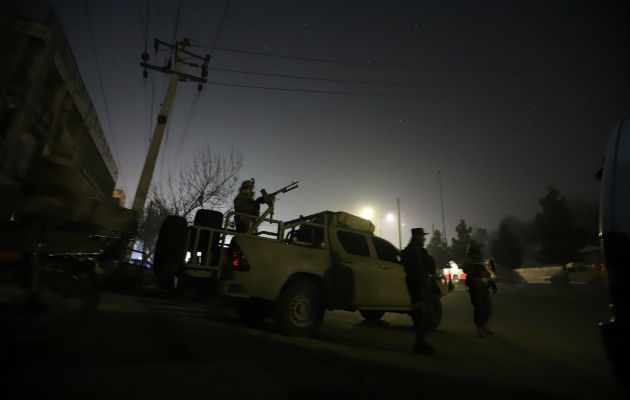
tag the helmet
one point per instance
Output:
(248, 184)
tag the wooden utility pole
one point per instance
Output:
(442, 205)
(399, 229)
(181, 54)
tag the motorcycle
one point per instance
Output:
(46, 293)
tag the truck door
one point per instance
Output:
(355, 254)
(392, 280)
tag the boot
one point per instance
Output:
(422, 347)
(487, 331)
(481, 332)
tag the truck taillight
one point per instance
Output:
(239, 261)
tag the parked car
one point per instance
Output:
(575, 272)
(454, 273)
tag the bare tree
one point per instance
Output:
(208, 181)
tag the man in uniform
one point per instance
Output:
(419, 266)
(245, 203)
(479, 282)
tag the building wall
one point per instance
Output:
(46, 115)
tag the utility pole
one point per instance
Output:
(399, 229)
(181, 57)
(442, 205)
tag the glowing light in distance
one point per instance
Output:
(390, 217)
(367, 213)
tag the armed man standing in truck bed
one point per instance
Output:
(419, 267)
(245, 203)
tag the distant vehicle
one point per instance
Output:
(324, 261)
(578, 273)
(614, 233)
(453, 272)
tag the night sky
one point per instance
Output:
(503, 97)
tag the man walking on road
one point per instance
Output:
(419, 266)
(479, 282)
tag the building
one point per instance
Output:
(53, 152)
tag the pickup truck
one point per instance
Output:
(292, 270)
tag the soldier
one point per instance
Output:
(419, 266)
(245, 203)
(479, 282)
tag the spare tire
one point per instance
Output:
(208, 218)
(170, 251)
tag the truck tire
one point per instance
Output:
(372, 315)
(299, 310)
(434, 314)
(208, 218)
(170, 252)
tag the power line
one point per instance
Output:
(322, 91)
(341, 62)
(326, 79)
(216, 38)
(179, 9)
(191, 111)
(100, 80)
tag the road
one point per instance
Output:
(148, 345)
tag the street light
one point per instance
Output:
(367, 213)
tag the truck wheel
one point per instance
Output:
(170, 251)
(372, 315)
(299, 310)
(434, 314)
(208, 218)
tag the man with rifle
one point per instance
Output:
(244, 203)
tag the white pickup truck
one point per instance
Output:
(294, 271)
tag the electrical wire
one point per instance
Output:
(325, 91)
(186, 129)
(100, 80)
(179, 10)
(406, 84)
(216, 37)
(341, 62)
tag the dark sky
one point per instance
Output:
(503, 97)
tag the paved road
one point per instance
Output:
(150, 346)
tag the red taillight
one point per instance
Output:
(462, 277)
(239, 261)
(447, 276)
(10, 256)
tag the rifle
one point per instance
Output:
(287, 188)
